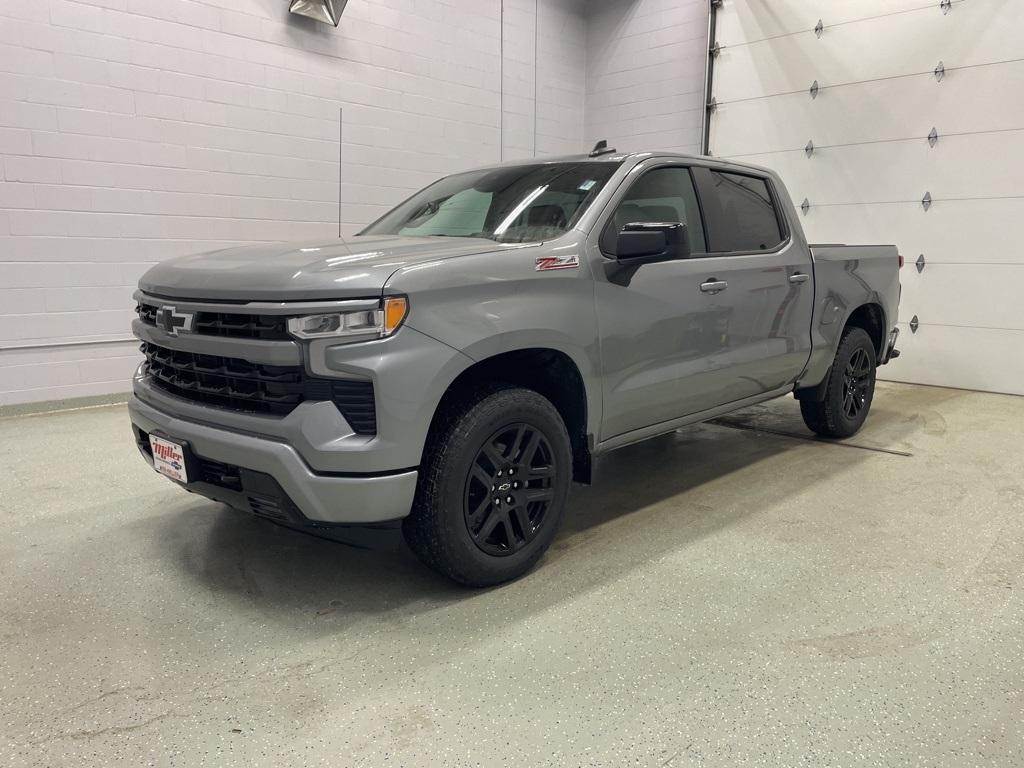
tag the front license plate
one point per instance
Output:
(168, 458)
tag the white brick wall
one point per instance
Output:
(544, 81)
(645, 73)
(136, 130)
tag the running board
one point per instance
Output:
(638, 435)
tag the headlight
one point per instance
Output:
(368, 323)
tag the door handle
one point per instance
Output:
(713, 286)
(799, 277)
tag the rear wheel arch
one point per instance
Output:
(871, 318)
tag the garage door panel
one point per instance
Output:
(756, 19)
(872, 163)
(985, 165)
(981, 296)
(882, 47)
(902, 108)
(966, 231)
(950, 356)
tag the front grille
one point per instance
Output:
(239, 326)
(226, 381)
(238, 385)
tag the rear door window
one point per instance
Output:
(739, 211)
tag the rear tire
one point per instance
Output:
(850, 389)
(493, 487)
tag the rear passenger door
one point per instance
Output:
(770, 288)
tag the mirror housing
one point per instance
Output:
(651, 242)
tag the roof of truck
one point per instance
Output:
(619, 157)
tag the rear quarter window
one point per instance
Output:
(740, 213)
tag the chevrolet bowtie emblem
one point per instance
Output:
(173, 321)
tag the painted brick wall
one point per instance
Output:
(136, 130)
(544, 78)
(645, 73)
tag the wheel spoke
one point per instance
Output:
(539, 494)
(510, 536)
(493, 455)
(517, 443)
(530, 451)
(523, 523)
(540, 473)
(477, 513)
(493, 521)
(862, 365)
(483, 477)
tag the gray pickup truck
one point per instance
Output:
(454, 367)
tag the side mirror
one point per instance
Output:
(651, 242)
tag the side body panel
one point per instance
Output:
(845, 278)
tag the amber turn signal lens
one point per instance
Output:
(395, 310)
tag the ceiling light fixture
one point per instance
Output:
(327, 11)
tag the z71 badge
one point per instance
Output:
(544, 263)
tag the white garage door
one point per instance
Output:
(878, 97)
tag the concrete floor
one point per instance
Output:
(721, 597)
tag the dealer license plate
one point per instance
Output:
(168, 458)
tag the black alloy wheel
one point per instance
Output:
(509, 489)
(858, 379)
(849, 388)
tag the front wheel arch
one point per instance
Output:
(550, 373)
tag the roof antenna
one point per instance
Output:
(601, 148)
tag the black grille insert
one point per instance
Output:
(228, 382)
(239, 326)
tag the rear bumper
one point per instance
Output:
(305, 496)
(890, 352)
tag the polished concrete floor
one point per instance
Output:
(734, 594)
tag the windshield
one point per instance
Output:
(516, 204)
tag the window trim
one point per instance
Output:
(780, 217)
(617, 202)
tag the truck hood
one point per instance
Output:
(334, 269)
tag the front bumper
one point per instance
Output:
(306, 496)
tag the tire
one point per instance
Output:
(462, 523)
(850, 389)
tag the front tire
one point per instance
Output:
(493, 488)
(850, 389)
